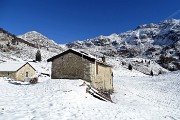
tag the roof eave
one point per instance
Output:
(72, 51)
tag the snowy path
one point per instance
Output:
(136, 97)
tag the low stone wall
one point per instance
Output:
(7, 74)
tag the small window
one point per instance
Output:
(62, 58)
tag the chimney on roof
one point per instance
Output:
(104, 59)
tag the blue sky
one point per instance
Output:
(70, 20)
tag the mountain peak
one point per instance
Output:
(174, 21)
(37, 38)
(33, 32)
(32, 35)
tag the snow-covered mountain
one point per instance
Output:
(160, 42)
(136, 95)
(39, 39)
(17, 49)
(141, 39)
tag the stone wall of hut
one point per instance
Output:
(103, 77)
(71, 66)
(25, 72)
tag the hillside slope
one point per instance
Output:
(17, 49)
(136, 96)
(160, 42)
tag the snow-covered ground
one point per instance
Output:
(136, 97)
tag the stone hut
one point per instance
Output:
(16, 71)
(73, 64)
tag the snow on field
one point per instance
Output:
(157, 96)
(136, 97)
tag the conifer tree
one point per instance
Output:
(130, 67)
(38, 56)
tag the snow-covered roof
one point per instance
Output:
(89, 57)
(80, 53)
(11, 66)
(84, 53)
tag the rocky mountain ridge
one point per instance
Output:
(17, 49)
(157, 42)
(37, 38)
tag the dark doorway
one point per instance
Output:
(26, 74)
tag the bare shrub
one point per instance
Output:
(33, 80)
